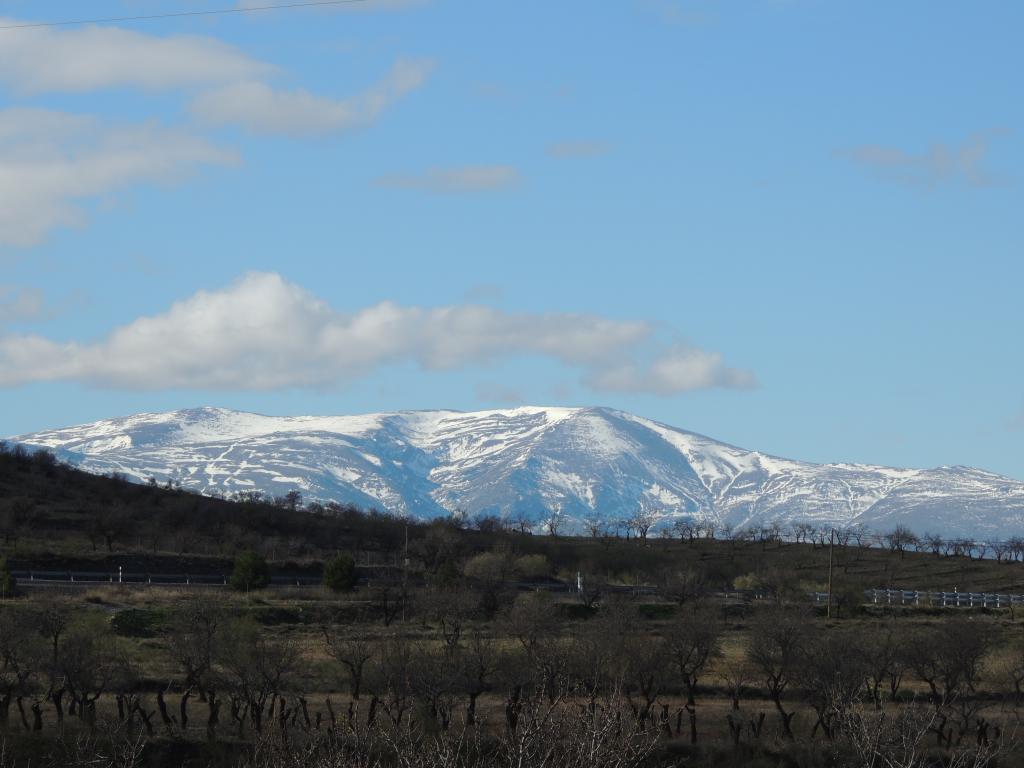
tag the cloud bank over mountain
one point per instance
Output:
(263, 332)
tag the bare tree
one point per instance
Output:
(682, 585)
(900, 540)
(258, 669)
(949, 660)
(642, 521)
(883, 651)
(192, 640)
(533, 622)
(434, 681)
(554, 522)
(479, 660)
(521, 521)
(737, 676)
(596, 657)
(391, 681)
(18, 661)
(933, 542)
(111, 525)
(449, 610)
(390, 597)
(802, 532)
(686, 529)
(595, 525)
(353, 650)
(778, 638)
(693, 640)
(831, 676)
(87, 663)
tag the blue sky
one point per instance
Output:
(791, 225)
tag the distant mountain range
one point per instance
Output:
(529, 462)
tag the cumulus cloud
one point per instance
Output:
(445, 181)
(262, 109)
(940, 164)
(50, 162)
(566, 149)
(265, 333)
(92, 57)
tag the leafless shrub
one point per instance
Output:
(899, 739)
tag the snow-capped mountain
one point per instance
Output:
(531, 461)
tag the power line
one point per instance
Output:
(180, 14)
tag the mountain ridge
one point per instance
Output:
(530, 462)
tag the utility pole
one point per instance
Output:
(831, 543)
(405, 571)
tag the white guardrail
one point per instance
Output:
(954, 599)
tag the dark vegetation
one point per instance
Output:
(461, 648)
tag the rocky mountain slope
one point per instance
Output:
(529, 462)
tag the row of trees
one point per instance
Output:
(814, 678)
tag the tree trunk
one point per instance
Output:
(691, 709)
(213, 718)
(57, 697)
(21, 711)
(183, 709)
(786, 717)
(161, 704)
(512, 706)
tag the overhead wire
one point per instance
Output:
(181, 14)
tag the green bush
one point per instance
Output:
(251, 572)
(340, 573)
(487, 567)
(531, 567)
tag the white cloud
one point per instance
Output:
(679, 368)
(93, 57)
(50, 162)
(265, 110)
(941, 164)
(265, 333)
(470, 178)
(53, 163)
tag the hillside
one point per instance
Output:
(58, 517)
